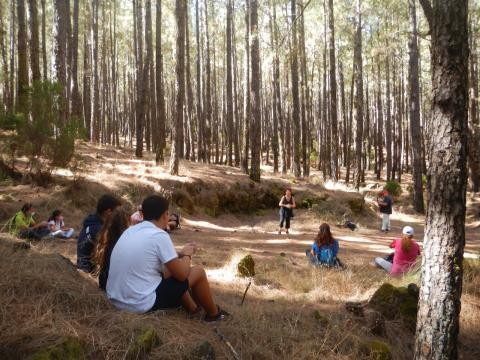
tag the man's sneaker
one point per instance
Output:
(221, 315)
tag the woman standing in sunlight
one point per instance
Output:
(287, 204)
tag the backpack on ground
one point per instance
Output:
(176, 218)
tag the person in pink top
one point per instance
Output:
(405, 256)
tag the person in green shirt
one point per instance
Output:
(23, 225)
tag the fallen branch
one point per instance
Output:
(245, 293)
(230, 347)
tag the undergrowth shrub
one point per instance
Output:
(393, 188)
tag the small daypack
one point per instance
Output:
(326, 256)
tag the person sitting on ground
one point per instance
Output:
(287, 204)
(137, 216)
(91, 226)
(57, 227)
(405, 255)
(147, 274)
(324, 249)
(23, 224)
(173, 223)
(108, 236)
(385, 203)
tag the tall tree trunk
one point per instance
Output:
(149, 76)
(87, 75)
(304, 93)
(333, 92)
(76, 98)
(140, 103)
(96, 80)
(255, 92)
(208, 94)
(200, 117)
(474, 129)
(388, 121)
(380, 137)
(246, 97)
(180, 16)
(358, 102)
(229, 96)
(415, 111)
(161, 111)
(44, 42)
(188, 124)
(34, 40)
(60, 49)
(22, 70)
(442, 264)
(295, 97)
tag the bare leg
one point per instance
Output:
(187, 302)
(201, 290)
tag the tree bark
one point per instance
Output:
(34, 40)
(22, 69)
(161, 111)
(414, 107)
(255, 92)
(246, 98)
(180, 16)
(442, 265)
(77, 111)
(333, 92)
(60, 49)
(358, 101)
(295, 97)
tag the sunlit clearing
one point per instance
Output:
(227, 273)
(332, 185)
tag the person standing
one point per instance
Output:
(286, 204)
(385, 206)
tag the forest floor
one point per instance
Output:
(291, 311)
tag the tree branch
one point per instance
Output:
(428, 11)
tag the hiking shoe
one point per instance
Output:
(221, 315)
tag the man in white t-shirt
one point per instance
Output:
(147, 274)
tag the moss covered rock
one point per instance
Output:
(144, 342)
(69, 349)
(322, 319)
(377, 350)
(203, 351)
(246, 266)
(396, 303)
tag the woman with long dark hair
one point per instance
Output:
(286, 204)
(108, 236)
(324, 249)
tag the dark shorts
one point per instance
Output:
(169, 293)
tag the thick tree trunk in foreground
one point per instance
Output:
(414, 105)
(34, 40)
(442, 266)
(255, 93)
(180, 16)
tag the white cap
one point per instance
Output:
(408, 230)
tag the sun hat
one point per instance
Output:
(408, 230)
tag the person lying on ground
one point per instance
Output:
(108, 236)
(405, 255)
(137, 216)
(286, 204)
(324, 249)
(24, 226)
(91, 226)
(147, 274)
(57, 227)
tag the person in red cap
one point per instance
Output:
(385, 205)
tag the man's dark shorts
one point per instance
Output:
(169, 293)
